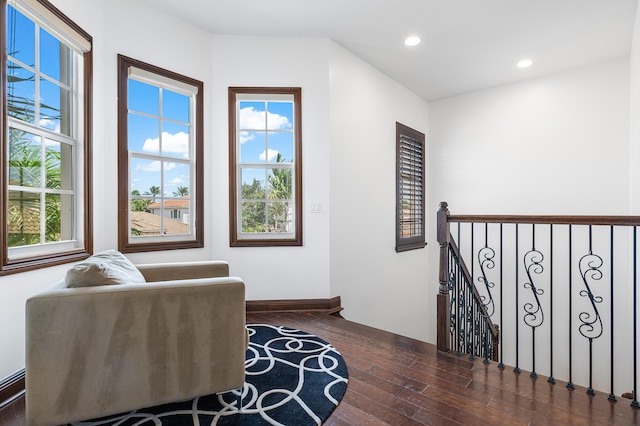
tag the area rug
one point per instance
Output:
(292, 378)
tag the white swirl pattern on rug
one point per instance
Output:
(292, 378)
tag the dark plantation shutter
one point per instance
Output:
(410, 204)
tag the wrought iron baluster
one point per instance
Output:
(534, 315)
(473, 330)
(517, 281)
(452, 288)
(591, 327)
(612, 396)
(485, 260)
(501, 363)
(570, 383)
(551, 379)
(634, 403)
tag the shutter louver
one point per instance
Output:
(411, 190)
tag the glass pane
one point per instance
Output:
(23, 218)
(25, 158)
(252, 116)
(55, 58)
(21, 37)
(143, 134)
(252, 147)
(176, 179)
(142, 222)
(55, 107)
(253, 217)
(145, 177)
(53, 217)
(175, 106)
(58, 165)
(143, 97)
(282, 144)
(138, 202)
(177, 214)
(175, 140)
(253, 185)
(280, 184)
(280, 217)
(280, 115)
(21, 92)
(65, 203)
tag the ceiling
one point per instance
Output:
(467, 45)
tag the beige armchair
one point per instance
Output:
(97, 351)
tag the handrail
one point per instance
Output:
(476, 296)
(547, 220)
(576, 283)
(448, 248)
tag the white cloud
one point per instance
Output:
(154, 166)
(246, 137)
(50, 124)
(179, 180)
(252, 119)
(171, 143)
(269, 154)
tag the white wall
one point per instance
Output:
(276, 272)
(138, 30)
(15, 289)
(115, 26)
(551, 145)
(634, 127)
(378, 286)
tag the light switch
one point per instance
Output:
(315, 207)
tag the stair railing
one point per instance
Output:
(556, 295)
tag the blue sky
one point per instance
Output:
(21, 44)
(266, 130)
(158, 130)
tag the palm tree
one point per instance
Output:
(253, 212)
(138, 204)
(24, 207)
(181, 191)
(280, 188)
(154, 191)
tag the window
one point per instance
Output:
(410, 194)
(265, 166)
(46, 148)
(160, 145)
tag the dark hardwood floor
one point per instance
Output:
(395, 380)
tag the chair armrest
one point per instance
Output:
(154, 272)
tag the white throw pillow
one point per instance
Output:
(108, 267)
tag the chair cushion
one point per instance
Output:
(108, 267)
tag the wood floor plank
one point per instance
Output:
(395, 380)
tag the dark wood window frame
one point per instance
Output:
(410, 188)
(22, 264)
(234, 237)
(124, 63)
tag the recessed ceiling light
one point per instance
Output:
(412, 41)
(525, 63)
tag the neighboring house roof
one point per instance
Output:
(30, 220)
(172, 203)
(149, 224)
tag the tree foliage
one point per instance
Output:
(181, 191)
(25, 165)
(256, 216)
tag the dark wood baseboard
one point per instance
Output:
(331, 306)
(11, 387)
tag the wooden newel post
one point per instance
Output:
(443, 298)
